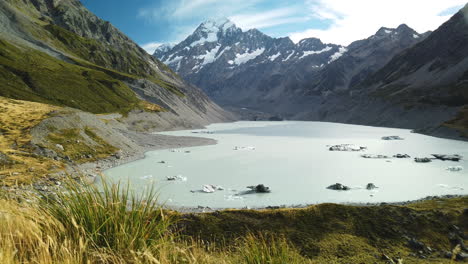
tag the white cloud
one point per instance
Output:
(267, 19)
(358, 19)
(181, 10)
(151, 47)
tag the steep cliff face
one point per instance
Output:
(58, 52)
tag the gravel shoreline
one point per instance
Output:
(147, 142)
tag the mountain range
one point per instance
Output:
(390, 78)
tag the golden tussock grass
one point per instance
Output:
(17, 118)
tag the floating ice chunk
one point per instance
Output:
(244, 148)
(346, 147)
(176, 178)
(392, 138)
(373, 156)
(455, 168)
(210, 188)
(234, 197)
(146, 177)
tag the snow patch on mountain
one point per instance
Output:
(415, 36)
(245, 57)
(222, 52)
(312, 52)
(210, 56)
(273, 57)
(338, 54)
(211, 37)
(290, 55)
(173, 60)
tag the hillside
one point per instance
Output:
(76, 90)
(423, 87)
(57, 52)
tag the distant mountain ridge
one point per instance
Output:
(396, 77)
(251, 69)
(220, 57)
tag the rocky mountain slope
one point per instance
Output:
(65, 65)
(422, 87)
(233, 66)
(251, 69)
(57, 52)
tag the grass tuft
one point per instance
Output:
(267, 248)
(112, 218)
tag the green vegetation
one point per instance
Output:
(78, 148)
(114, 218)
(99, 53)
(332, 233)
(460, 122)
(88, 74)
(35, 76)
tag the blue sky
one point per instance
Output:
(152, 22)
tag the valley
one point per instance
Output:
(230, 146)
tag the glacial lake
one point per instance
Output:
(293, 159)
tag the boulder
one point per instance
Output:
(392, 138)
(444, 157)
(402, 156)
(422, 160)
(346, 147)
(59, 147)
(260, 188)
(118, 154)
(415, 244)
(338, 187)
(373, 156)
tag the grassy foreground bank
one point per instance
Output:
(113, 226)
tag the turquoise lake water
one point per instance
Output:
(293, 159)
